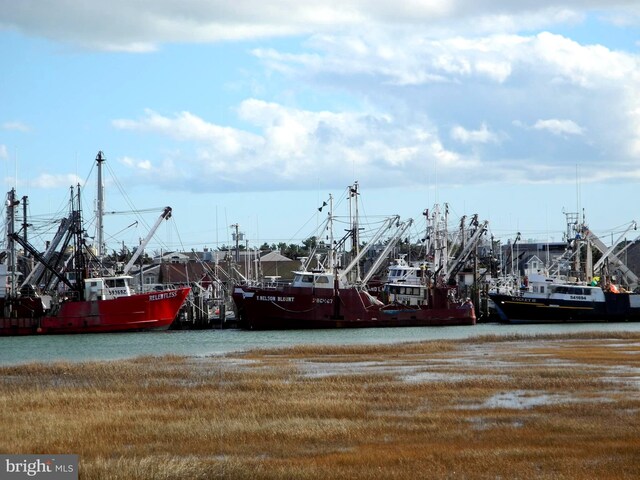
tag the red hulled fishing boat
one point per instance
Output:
(325, 297)
(67, 291)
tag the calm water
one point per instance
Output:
(14, 350)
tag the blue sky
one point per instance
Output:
(235, 112)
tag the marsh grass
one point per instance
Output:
(521, 407)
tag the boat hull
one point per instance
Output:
(301, 308)
(616, 307)
(145, 311)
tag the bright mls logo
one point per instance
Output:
(50, 467)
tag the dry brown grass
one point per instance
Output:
(545, 407)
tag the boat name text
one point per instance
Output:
(273, 298)
(162, 296)
(524, 300)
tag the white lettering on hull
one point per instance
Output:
(162, 296)
(274, 298)
(323, 300)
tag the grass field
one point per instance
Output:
(494, 407)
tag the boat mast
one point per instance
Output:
(332, 263)
(355, 241)
(79, 262)
(100, 159)
(12, 262)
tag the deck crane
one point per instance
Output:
(402, 227)
(165, 215)
(456, 264)
(607, 254)
(386, 225)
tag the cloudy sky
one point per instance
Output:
(252, 113)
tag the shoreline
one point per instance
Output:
(547, 406)
(78, 348)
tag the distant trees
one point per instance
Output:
(290, 250)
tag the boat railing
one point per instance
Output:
(267, 284)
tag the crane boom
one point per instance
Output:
(402, 228)
(387, 224)
(631, 277)
(165, 215)
(456, 265)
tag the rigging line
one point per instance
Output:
(175, 227)
(114, 236)
(128, 200)
(316, 232)
(86, 180)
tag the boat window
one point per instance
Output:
(541, 288)
(576, 291)
(307, 279)
(115, 282)
(322, 279)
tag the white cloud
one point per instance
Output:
(295, 147)
(142, 26)
(407, 59)
(133, 163)
(187, 127)
(3, 152)
(538, 82)
(559, 127)
(587, 66)
(46, 180)
(482, 135)
(15, 126)
(413, 70)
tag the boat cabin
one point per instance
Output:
(107, 288)
(412, 295)
(577, 292)
(313, 279)
(540, 286)
(402, 272)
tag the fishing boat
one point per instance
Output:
(328, 296)
(587, 294)
(545, 299)
(68, 292)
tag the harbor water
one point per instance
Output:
(112, 346)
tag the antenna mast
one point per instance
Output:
(100, 159)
